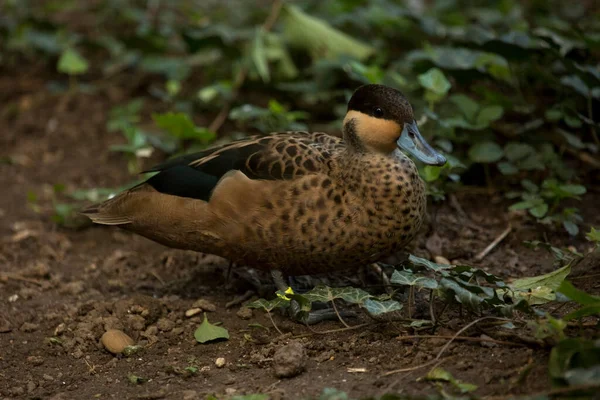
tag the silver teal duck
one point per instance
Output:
(295, 202)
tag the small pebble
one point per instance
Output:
(441, 260)
(116, 341)
(165, 324)
(48, 377)
(29, 327)
(193, 311)
(60, 329)
(190, 395)
(31, 385)
(244, 313)
(35, 360)
(204, 305)
(290, 360)
(230, 391)
(220, 362)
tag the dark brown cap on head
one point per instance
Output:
(382, 102)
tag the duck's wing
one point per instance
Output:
(280, 156)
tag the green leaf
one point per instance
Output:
(522, 205)
(418, 261)
(575, 362)
(552, 280)
(539, 210)
(317, 37)
(486, 152)
(515, 151)
(410, 279)
(269, 305)
(540, 289)
(467, 106)
(571, 227)
(489, 114)
(507, 168)
(72, 63)
(182, 127)
(440, 374)
(593, 235)
(208, 332)
(435, 81)
(326, 294)
(553, 115)
(578, 295)
(259, 56)
(375, 307)
(431, 173)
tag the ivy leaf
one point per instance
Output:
(486, 152)
(208, 332)
(72, 63)
(467, 105)
(269, 305)
(571, 227)
(539, 210)
(435, 81)
(410, 279)
(375, 307)
(181, 126)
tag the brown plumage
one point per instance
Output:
(297, 202)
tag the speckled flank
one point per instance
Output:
(366, 208)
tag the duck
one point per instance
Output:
(293, 203)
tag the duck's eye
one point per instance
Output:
(378, 112)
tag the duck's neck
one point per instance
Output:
(381, 178)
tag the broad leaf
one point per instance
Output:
(208, 332)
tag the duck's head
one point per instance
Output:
(380, 119)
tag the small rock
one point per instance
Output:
(177, 331)
(230, 391)
(17, 391)
(193, 311)
(35, 360)
(31, 385)
(29, 327)
(116, 341)
(244, 313)
(5, 326)
(190, 395)
(487, 344)
(48, 377)
(220, 362)
(441, 260)
(152, 330)
(289, 360)
(72, 288)
(204, 305)
(60, 329)
(165, 324)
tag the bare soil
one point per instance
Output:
(60, 289)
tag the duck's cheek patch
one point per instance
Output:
(376, 133)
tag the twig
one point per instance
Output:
(158, 278)
(240, 299)
(243, 71)
(431, 310)
(21, 278)
(338, 314)
(463, 338)
(313, 332)
(439, 355)
(274, 324)
(492, 245)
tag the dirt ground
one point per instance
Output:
(61, 289)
